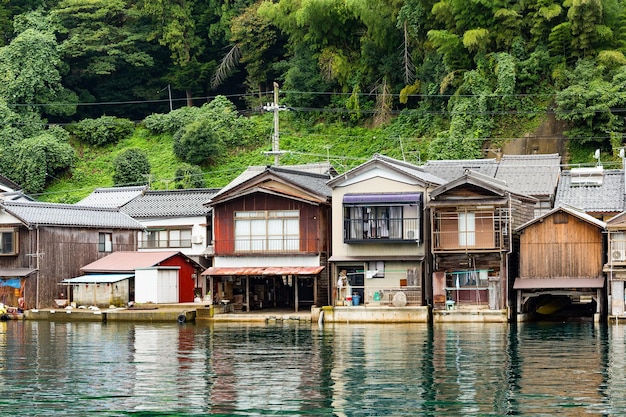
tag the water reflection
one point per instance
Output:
(344, 370)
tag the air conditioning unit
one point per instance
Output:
(411, 234)
(197, 239)
(618, 255)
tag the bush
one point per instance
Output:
(131, 167)
(103, 130)
(189, 176)
(171, 122)
(198, 143)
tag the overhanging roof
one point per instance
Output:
(97, 279)
(340, 258)
(542, 283)
(264, 270)
(16, 272)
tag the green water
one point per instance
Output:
(126, 369)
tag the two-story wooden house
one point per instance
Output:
(43, 243)
(271, 239)
(561, 257)
(380, 232)
(472, 222)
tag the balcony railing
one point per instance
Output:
(379, 296)
(163, 244)
(266, 246)
(488, 232)
(380, 230)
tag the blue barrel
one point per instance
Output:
(356, 299)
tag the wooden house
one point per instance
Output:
(560, 264)
(380, 232)
(472, 220)
(272, 239)
(615, 266)
(44, 243)
(157, 277)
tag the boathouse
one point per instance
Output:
(561, 257)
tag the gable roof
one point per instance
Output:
(254, 176)
(129, 261)
(486, 182)
(113, 197)
(570, 210)
(606, 197)
(69, 215)
(171, 203)
(406, 168)
(451, 169)
(531, 174)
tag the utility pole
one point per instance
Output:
(276, 136)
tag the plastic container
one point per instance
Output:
(356, 299)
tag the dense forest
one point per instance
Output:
(79, 76)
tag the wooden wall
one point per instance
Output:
(313, 221)
(561, 246)
(62, 252)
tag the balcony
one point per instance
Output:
(164, 243)
(455, 233)
(393, 230)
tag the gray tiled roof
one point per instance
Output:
(454, 168)
(173, 203)
(69, 215)
(531, 174)
(608, 197)
(113, 197)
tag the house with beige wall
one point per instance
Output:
(378, 233)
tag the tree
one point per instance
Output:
(32, 162)
(131, 167)
(198, 143)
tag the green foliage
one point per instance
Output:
(103, 130)
(170, 122)
(198, 143)
(34, 161)
(131, 167)
(189, 176)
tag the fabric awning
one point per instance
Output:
(379, 198)
(16, 272)
(264, 270)
(541, 283)
(97, 279)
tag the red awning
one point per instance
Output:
(264, 270)
(541, 283)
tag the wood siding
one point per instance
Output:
(62, 252)
(561, 246)
(313, 221)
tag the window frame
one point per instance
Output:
(14, 233)
(256, 231)
(102, 242)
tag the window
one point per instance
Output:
(267, 230)
(467, 229)
(8, 241)
(381, 223)
(165, 238)
(105, 242)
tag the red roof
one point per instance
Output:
(264, 270)
(126, 261)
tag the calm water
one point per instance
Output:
(81, 369)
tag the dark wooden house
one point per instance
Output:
(271, 239)
(43, 243)
(561, 257)
(472, 220)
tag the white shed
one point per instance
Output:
(157, 284)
